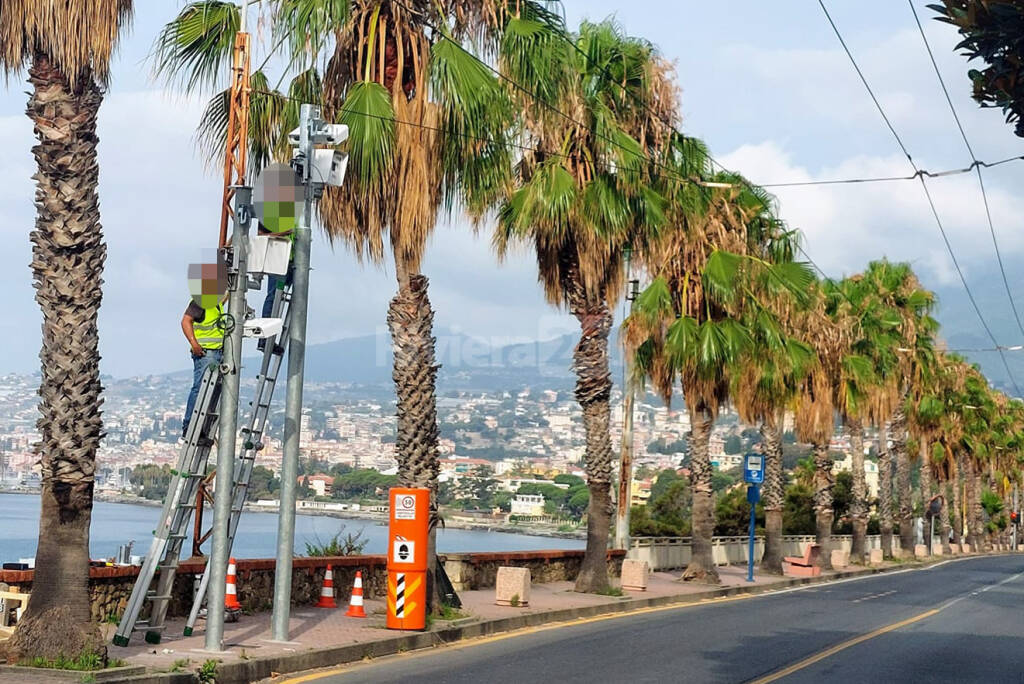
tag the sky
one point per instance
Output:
(765, 85)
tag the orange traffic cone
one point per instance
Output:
(230, 592)
(327, 592)
(355, 604)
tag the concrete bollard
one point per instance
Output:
(512, 586)
(936, 549)
(840, 559)
(965, 547)
(920, 551)
(634, 575)
(954, 548)
(876, 557)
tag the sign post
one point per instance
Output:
(407, 558)
(753, 475)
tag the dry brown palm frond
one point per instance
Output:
(78, 36)
(399, 209)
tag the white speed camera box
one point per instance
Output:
(269, 254)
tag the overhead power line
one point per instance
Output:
(884, 179)
(928, 195)
(974, 164)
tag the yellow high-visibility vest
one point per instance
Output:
(209, 334)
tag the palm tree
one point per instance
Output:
(834, 384)
(581, 199)
(697, 318)
(67, 48)
(901, 366)
(429, 127)
(870, 400)
(764, 383)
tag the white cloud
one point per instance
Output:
(845, 226)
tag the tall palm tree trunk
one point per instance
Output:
(859, 502)
(885, 491)
(67, 264)
(944, 527)
(702, 562)
(593, 392)
(926, 491)
(903, 491)
(773, 489)
(958, 500)
(977, 526)
(411, 321)
(823, 512)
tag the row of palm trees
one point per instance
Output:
(566, 141)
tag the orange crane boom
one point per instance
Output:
(238, 129)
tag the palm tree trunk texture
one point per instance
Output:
(411, 321)
(702, 562)
(885, 491)
(593, 392)
(958, 500)
(926, 491)
(859, 502)
(977, 524)
(943, 521)
(67, 265)
(823, 513)
(773, 490)
(903, 492)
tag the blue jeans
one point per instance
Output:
(273, 283)
(199, 363)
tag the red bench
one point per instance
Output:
(803, 566)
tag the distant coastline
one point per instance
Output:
(368, 516)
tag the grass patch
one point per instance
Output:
(449, 613)
(85, 662)
(612, 591)
(338, 545)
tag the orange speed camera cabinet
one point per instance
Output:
(407, 558)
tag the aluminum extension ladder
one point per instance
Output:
(172, 530)
(165, 550)
(252, 437)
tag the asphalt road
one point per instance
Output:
(961, 621)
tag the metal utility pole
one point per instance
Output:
(626, 455)
(293, 396)
(228, 426)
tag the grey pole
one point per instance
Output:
(626, 448)
(625, 465)
(293, 397)
(228, 426)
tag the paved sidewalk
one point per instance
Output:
(316, 628)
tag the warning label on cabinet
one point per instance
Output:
(405, 507)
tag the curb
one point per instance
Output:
(255, 669)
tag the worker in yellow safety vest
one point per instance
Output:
(203, 325)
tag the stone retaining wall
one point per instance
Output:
(110, 587)
(479, 570)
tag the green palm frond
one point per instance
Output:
(195, 48)
(534, 53)
(369, 115)
(476, 114)
(307, 26)
(682, 340)
(722, 275)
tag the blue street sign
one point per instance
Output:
(753, 494)
(753, 468)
